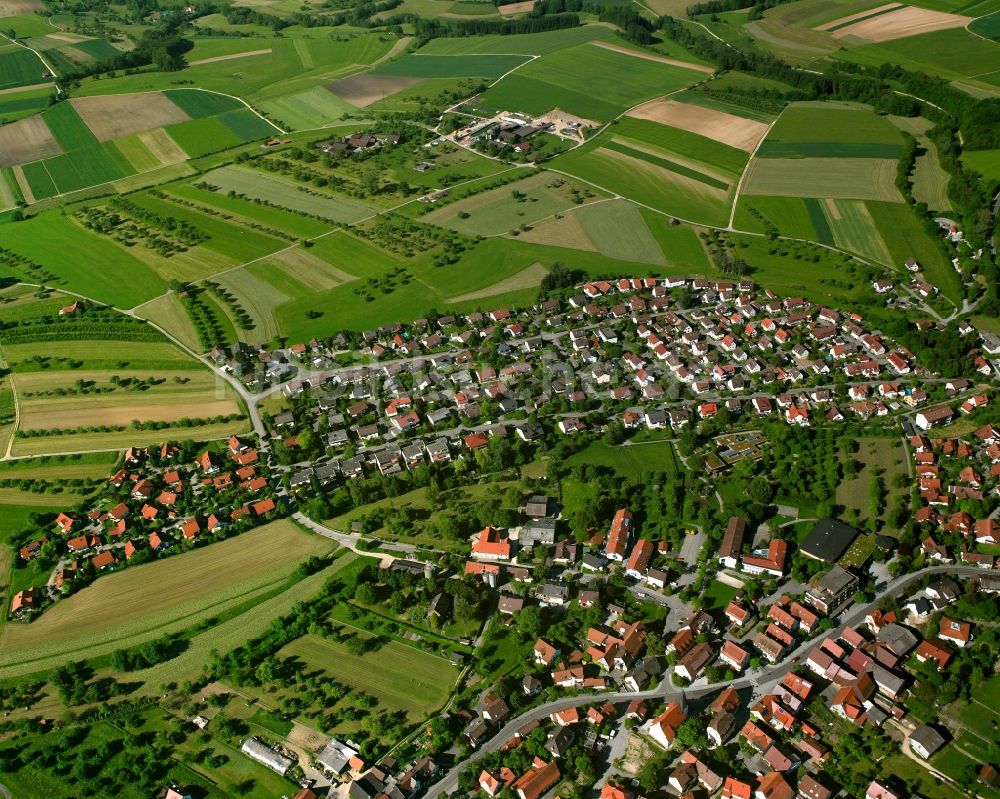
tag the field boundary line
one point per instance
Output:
(17, 408)
(743, 174)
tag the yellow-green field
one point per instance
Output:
(143, 602)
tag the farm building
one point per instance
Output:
(257, 750)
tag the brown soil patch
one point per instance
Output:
(730, 129)
(513, 9)
(851, 17)
(525, 279)
(22, 181)
(650, 57)
(831, 208)
(11, 8)
(907, 21)
(67, 38)
(307, 738)
(363, 90)
(229, 57)
(162, 146)
(26, 140)
(563, 232)
(118, 115)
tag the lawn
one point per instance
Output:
(115, 611)
(630, 462)
(985, 161)
(716, 598)
(552, 81)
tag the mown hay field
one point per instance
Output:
(498, 210)
(826, 122)
(176, 395)
(143, 602)
(286, 194)
(899, 24)
(844, 178)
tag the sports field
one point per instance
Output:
(151, 600)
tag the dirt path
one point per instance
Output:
(660, 58)
(396, 49)
(230, 57)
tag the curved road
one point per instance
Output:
(666, 691)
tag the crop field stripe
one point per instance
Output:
(819, 220)
(832, 149)
(39, 180)
(874, 14)
(198, 104)
(665, 164)
(450, 66)
(118, 157)
(137, 153)
(202, 136)
(246, 125)
(20, 67)
(68, 128)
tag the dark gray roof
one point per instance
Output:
(828, 540)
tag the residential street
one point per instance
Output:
(666, 691)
